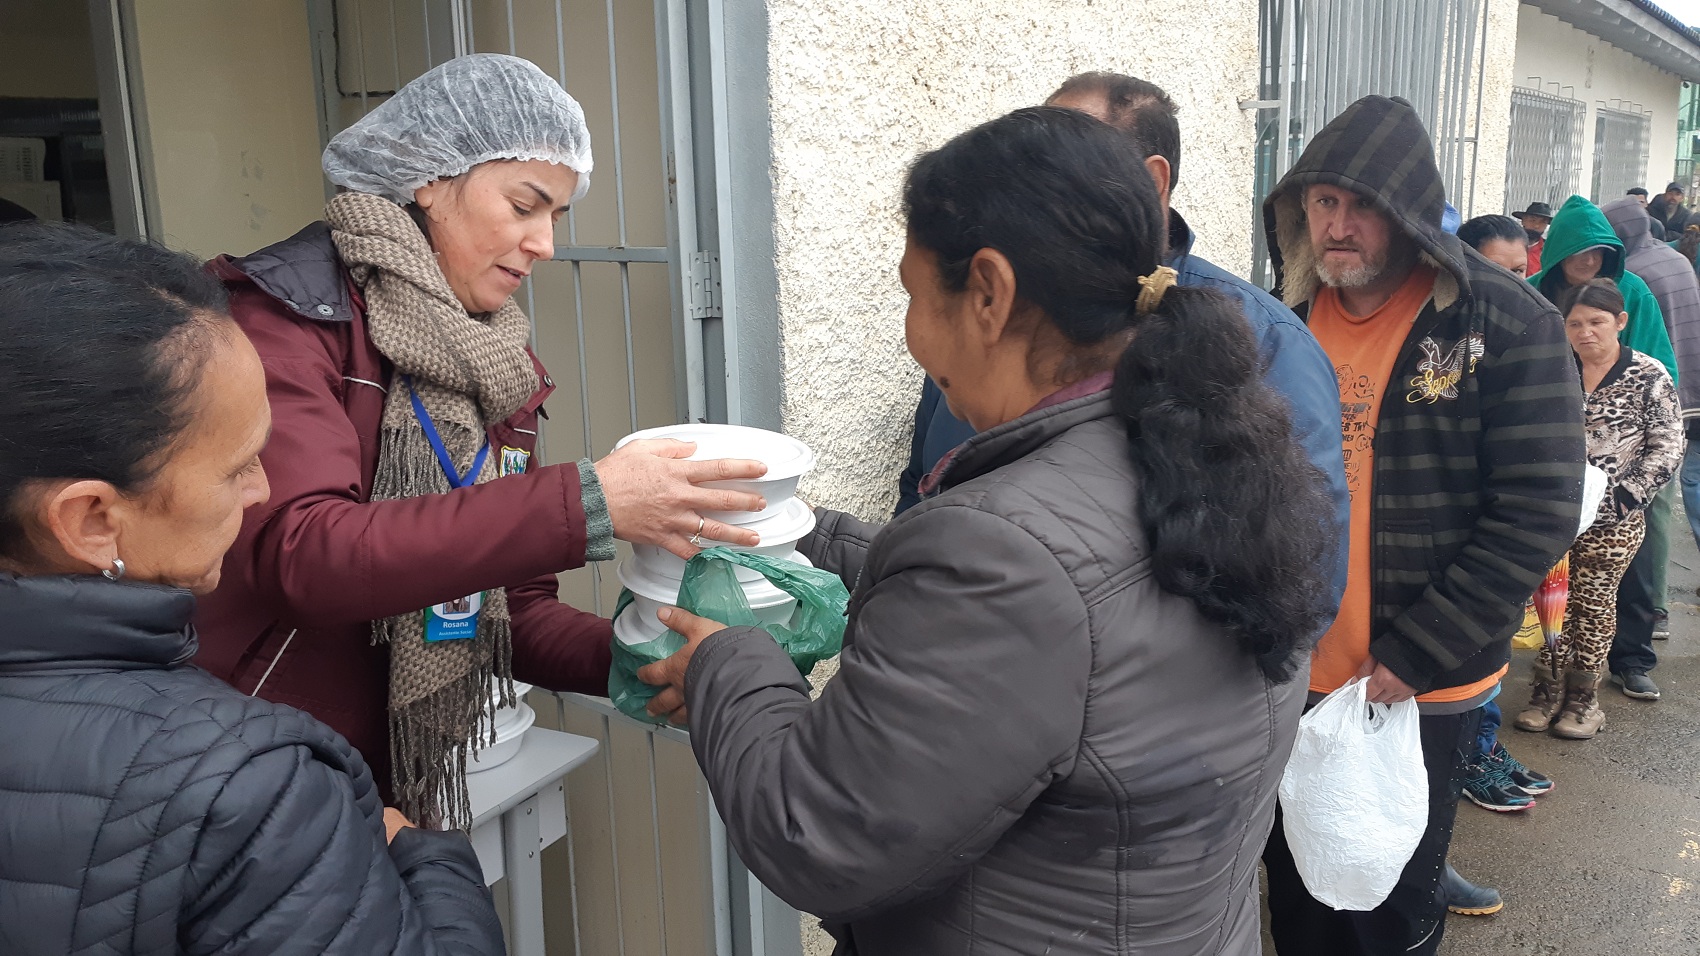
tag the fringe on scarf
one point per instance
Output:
(438, 691)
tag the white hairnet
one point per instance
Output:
(470, 110)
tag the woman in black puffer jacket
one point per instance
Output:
(146, 807)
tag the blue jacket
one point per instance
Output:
(1297, 368)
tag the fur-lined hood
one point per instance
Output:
(1379, 149)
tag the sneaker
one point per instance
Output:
(1661, 625)
(1531, 783)
(1489, 786)
(1636, 684)
(1468, 899)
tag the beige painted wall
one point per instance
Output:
(229, 108)
(1493, 136)
(45, 49)
(859, 88)
(1551, 51)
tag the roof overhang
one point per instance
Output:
(1637, 27)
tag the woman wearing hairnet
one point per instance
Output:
(405, 565)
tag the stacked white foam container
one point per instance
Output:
(511, 723)
(654, 575)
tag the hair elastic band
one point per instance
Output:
(1153, 286)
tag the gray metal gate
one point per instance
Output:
(1621, 142)
(628, 319)
(1318, 56)
(1543, 156)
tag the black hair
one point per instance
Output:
(1689, 244)
(1636, 191)
(1136, 107)
(1597, 293)
(1484, 229)
(1238, 519)
(102, 342)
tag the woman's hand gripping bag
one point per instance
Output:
(710, 589)
(1354, 798)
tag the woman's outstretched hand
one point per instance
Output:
(653, 495)
(670, 673)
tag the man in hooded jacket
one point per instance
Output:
(1461, 420)
(1671, 278)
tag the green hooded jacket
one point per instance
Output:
(1582, 225)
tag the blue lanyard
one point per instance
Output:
(456, 479)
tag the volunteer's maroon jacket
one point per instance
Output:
(315, 565)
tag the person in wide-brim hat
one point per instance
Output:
(1535, 220)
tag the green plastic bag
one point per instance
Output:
(814, 632)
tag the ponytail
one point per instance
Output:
(1235, 513)
(1238, 520)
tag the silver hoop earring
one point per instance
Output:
(115, 572)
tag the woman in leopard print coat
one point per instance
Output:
(1634, 433)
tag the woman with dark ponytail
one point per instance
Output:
(1066, 693)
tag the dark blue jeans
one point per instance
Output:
(1632, 647)
(1489, 732)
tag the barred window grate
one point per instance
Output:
(1543, 160)
(1621, 141)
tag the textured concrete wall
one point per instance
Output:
(858, 88)
(1499, 74)
(1589, 69)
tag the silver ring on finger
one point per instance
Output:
(696, 539)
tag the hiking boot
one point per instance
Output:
(1546, 699)
(1488, 786)
(1531, 783)
(1466, 898)
(1661, 625)
(1636, 684)
(1581, 717)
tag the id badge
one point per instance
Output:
(514, 461)
(454, 620)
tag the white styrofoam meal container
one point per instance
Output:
(632, 628)
(787, 460)
(779, 537)
(652, 591)
(506, 745)
(502, 716)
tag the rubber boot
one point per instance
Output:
(1546, 699)
(1466, 898)
(1581, 717)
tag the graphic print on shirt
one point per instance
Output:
(1438, 374)
(1357, 424)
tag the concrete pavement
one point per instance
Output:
(1610, 862)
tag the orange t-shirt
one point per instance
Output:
(1363, 350)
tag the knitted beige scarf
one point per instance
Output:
(471, 372)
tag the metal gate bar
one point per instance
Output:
(1318, 56)
(1543, 149)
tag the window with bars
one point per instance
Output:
(1543, 161)
(1621, 141)
(1319, 56)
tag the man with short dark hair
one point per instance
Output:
(1654, 227)
(1295, 365)
(1461, 422)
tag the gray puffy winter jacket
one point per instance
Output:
(147, 808)
(1029, 747)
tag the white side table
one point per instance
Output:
(518, 808)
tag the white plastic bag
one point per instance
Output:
(1593, 494)
(1354, 798)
